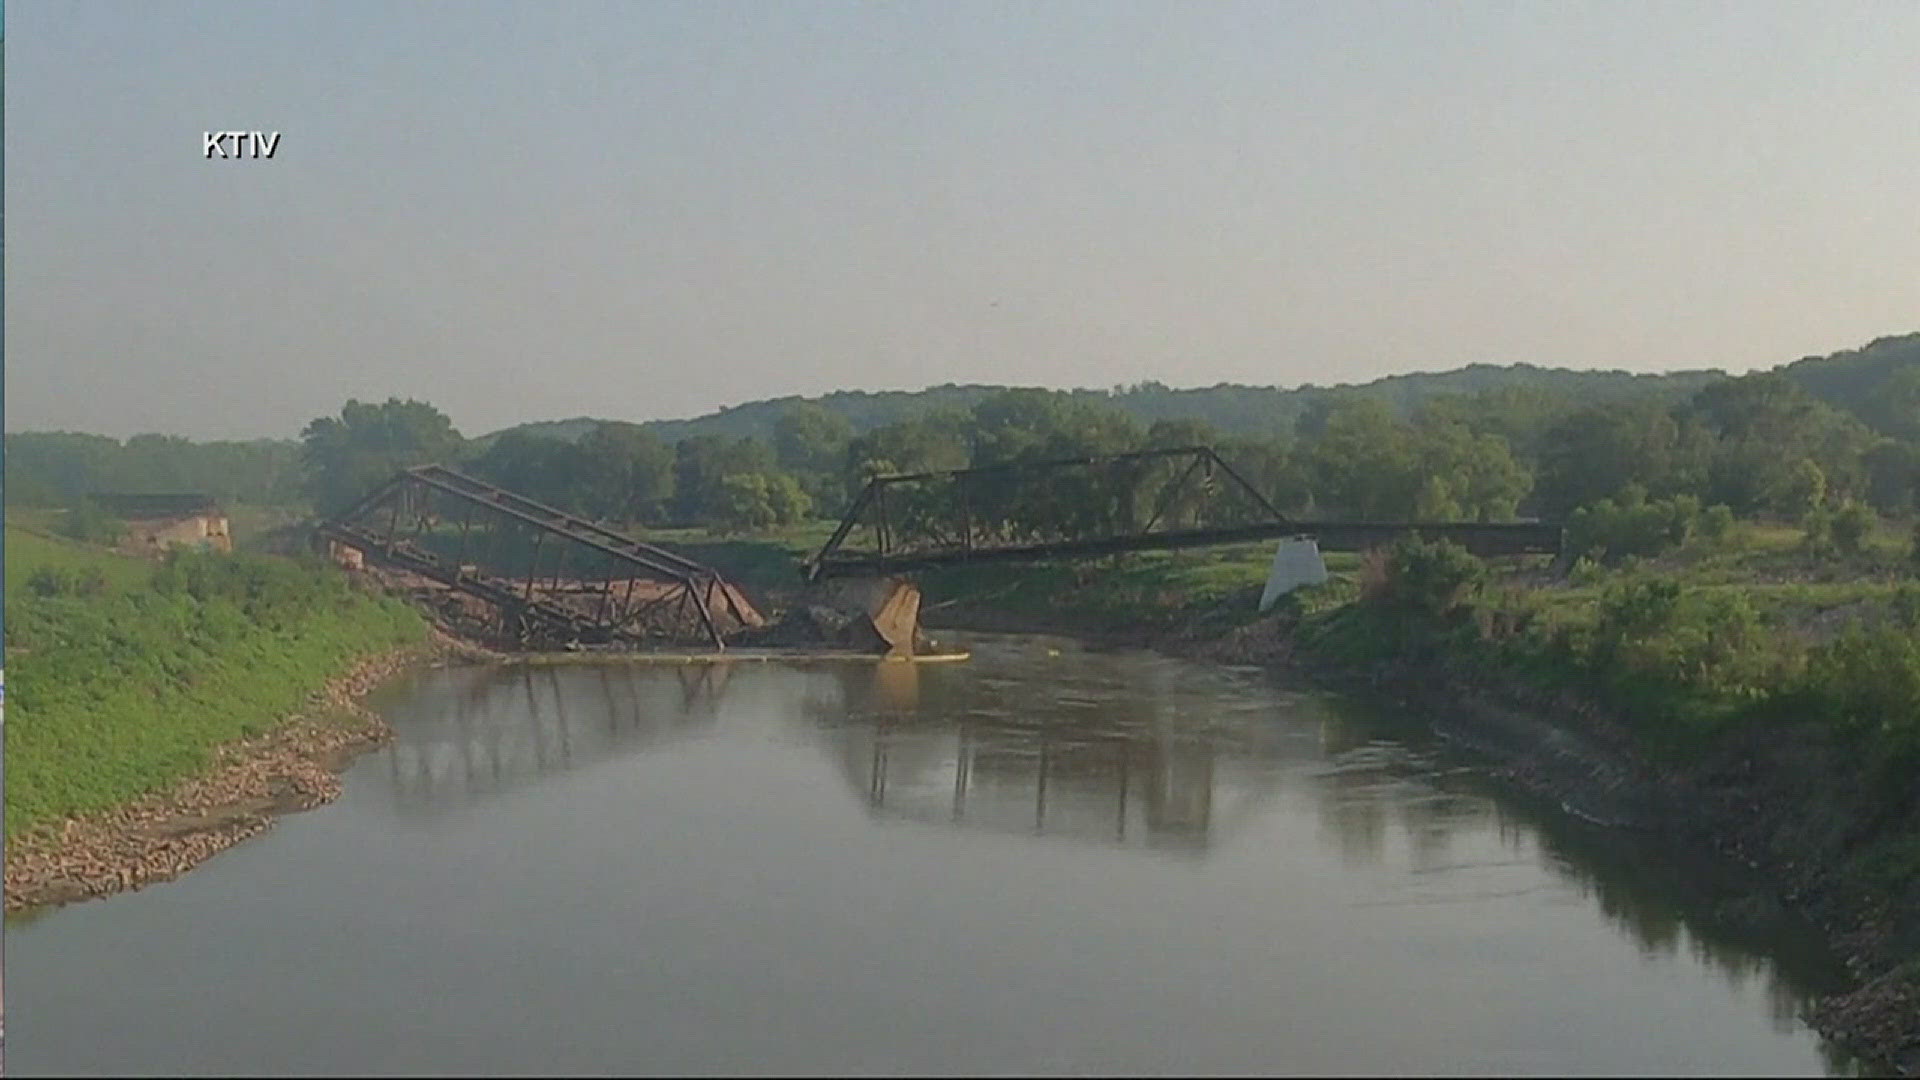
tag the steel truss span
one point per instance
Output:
(544, 574)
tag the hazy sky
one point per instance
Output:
(541, 210)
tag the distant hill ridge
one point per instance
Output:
(1234, 409)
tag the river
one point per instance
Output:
(1048, 858)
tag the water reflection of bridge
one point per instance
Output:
(1127, 770)
(1115, 752)
(466, 733)
(1136, 769)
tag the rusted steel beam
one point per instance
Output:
(1265, 504)
(1166, 497)
(851, 518)
(537, 513)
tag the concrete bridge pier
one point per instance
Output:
(877, 614)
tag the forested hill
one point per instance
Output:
(1879, 383)
(1256, 411)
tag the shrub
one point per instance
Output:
(1851, 526)
(1699, 654)
(1614, 529)
(1716, 522)
(1817, 531)
(1585, 572)
(1430, 579)
(1869, 680)
(63, 581)
(1634, 610)
(48, 581)
(1906, 606)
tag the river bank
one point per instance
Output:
(293, 766)
(1764, 800)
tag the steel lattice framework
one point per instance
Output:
(1087, 507)
(492, 545)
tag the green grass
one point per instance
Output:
(28, 550)
(34, 518)
(120, 692)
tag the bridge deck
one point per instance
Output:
(1481, 539)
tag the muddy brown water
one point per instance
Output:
(1047, 859)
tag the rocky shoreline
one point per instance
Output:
(158, 837)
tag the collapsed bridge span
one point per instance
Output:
(538, 574)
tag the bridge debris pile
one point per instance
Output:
(872, 616)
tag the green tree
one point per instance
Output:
(1274, 469)
(346, 456)
(537, 466)
(1893, 476)
(749, 502)
(58, 468)
(702, 462)
(1598, 451)
(1766, 425)
(741, 503)
(1798, 490)
(810, 438)
(627, 472)
(1464, 476)
(1364, 463)
(790, 502)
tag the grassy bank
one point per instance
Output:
(125, 675)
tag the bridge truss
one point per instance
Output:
(1087, 507)
(543, 574)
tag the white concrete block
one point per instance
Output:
(1296, 563)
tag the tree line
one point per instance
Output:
(1628, 470)
(1757, 446)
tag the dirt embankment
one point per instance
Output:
(295, 766)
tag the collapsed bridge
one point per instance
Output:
(532, 572)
